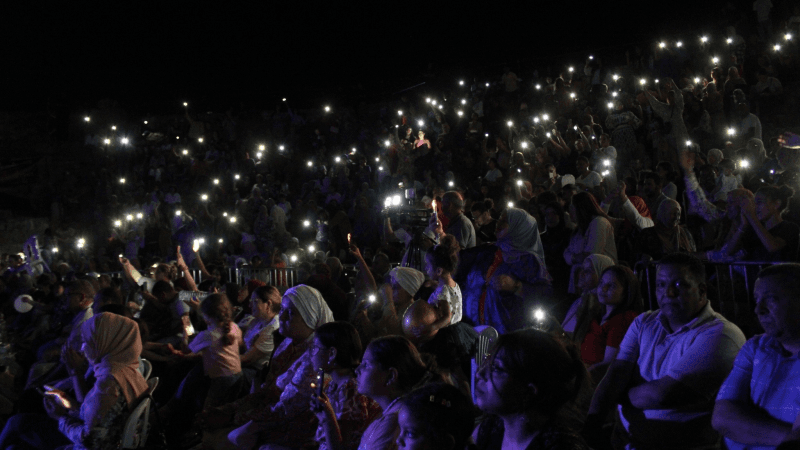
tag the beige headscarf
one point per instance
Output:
(114, 345)
(312, 306)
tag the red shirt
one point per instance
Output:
(609, 334)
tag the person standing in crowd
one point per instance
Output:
(458, 224)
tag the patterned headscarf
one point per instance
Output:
(312, 306)
(522, 236)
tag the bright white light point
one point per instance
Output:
(55, 249)
(535, 120)
(372, 298)
(420, 123)
(547, 134)
(777, 47)
(642, 81)
(262, 147)
(113, 127)
(605, 173)
(129, 217)
(145, 122)
(427, 100)
(606, 162)
(122, 180)
(545, 117)
(124, 140)
(662, 44)
(177, 137)
(327, 109)
(729, 40)
(571, 69)
(310, 164)
(399, 113)
(185, 104)
(280, 148)
(233, 219)
(204, 197)
(338, 159)
(236, 176)
(571, 95)
(433, 102)
(688, 143)
(538, 87)
(615, 77)
(788, 36)
(216, 180)
(380, 168)
(731, 131)
(715, 60)
(656, 80)
(519, 182)
(117, 223)
(224, 214)
(614, 94)
(510, 123)
(538, 315)
(396, 200)
(106, 141)
(460, 113)
(704, 39)
(696, 80)
(386, 143)
(461, 83)
(744, 163)
(306, 223)
(450, 183)
(199, 139)
(487, 84)
(524, 145)
(220, 240)
(377, 158)
(259, 154)
(139, 215)
(293, 258)
(610, 105)
(87, 118)
(510, 204)
(679, 44)
(311, 248)
(591, 57)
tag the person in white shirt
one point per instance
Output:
(585, 178)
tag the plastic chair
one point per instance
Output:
(146, 368)
(137, 425)
(486, 338)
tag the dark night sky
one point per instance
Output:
(149, 56)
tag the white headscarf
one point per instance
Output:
(409, 279)
(312, 306)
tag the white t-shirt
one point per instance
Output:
(591, 180)
(451, 295)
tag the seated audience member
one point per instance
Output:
(666, 236)
(436, 415)
(769, 237)
(618, 303)
(669, 366)
(458, 225)
(578, 316)
(286, 382)
(496, 280)
(405, 283)
(527, 387)
(485, 223)
(258, 337)
(96, 419)
(593, 235)
(758, 405)
(440, 264)
(337, 352)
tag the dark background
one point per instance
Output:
(151, 57)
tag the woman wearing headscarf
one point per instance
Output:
(588, 278)
(112, 346)
(285, 390)
(495, 279)
(667, 235)
(593, 235)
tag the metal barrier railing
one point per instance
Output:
(730, 289)
(281, 277)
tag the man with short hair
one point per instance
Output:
(758, 405)
(669, 366)
(458, 225)
(652, 184)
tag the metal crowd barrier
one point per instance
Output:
(730, 290)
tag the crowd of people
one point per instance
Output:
(401, 232)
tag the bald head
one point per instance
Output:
(418, 322)
(452, 204)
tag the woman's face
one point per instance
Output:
(481, 218)
(587, 280)
(413, 433)
(610, 290)
(291, 322)
(320, 356)
(496, 390)
(371, 377)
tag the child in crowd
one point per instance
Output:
(436, 415)
(726, 181)
(440, 264)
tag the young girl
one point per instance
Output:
(219, 346)
(435, 416)
(343, 413)
(440, 263)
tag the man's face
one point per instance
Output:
(680, 296)
(581, 165)
(777, 306)
(77, 300)
(448, 208)
(650, 187)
